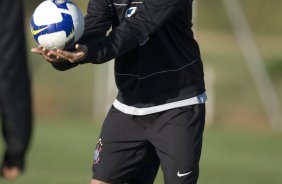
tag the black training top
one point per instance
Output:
(157, 59)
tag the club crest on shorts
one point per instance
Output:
(97, 152)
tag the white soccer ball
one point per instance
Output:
(57, 24)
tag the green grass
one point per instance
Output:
(241, 157)
(62, 151)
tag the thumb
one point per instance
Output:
(81, 48)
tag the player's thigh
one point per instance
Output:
(122, 152)
(125, 162)
(178, 141)
(146, 172)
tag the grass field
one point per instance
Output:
(62, 151)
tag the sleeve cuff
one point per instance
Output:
(63, 66)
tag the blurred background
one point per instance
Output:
(241, 50)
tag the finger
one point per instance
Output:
(36, 50)
(79, 54)
(45, 50)
(69, 56)
(49, 58)
(55, 55)
(51, 53)
(65, 53)
(54, 59)
(59, 55)
(40, 50)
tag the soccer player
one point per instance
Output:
(15, 89)
(159, 113)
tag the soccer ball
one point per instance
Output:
(57, 24)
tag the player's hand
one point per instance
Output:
(58, 55)
(77, 55)
(46, 55)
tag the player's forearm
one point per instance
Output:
(111, 46)
(133, 31)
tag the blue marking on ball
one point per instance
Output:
(65, 25)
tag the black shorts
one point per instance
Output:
(131, 148)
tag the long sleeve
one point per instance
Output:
(97, 21)
(134, 30)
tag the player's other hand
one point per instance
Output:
(57, 56)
